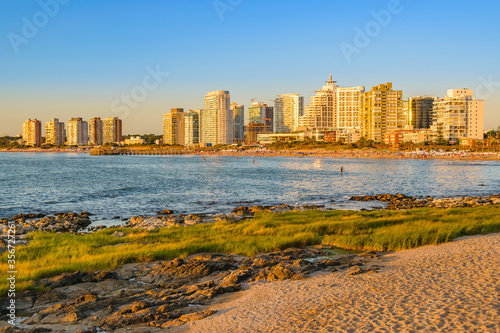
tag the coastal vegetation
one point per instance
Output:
(50, 254)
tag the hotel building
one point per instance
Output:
(32, 132)
(55, 133)
(382, 112)
(173, 127)
(112, 130)
(96, 131)
(77, 132)
(459, 115)
(217, 119)
(288, 108)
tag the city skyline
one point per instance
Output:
(64, 72)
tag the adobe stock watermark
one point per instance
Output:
(31, 27)
(139, 93)
(486, 87)
(223, 6)
(363, 37)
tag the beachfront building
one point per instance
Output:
(217, 119)
(420, 112)
(288, 108)
(382, 112)
(409, 135)
(55, 133)
(32, 132)
(322, 112)
(112, 130)
(134, 140)
(349, 104)
(77, 132)
(459, 115)
(96, 131)
(238, 121)
(173, 127)
(192, 127)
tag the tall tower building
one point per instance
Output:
(288, 108)
(420, 112)
(77, 132)
(349, 105)
(96, 131)
(173, 127)
(111, 130)
(32, 132)
(217, 119)
(55, 132)
(459, 115)
(192, 127)
(382, 112)
(322, 112)
(238, 121)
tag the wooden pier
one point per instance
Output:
(102, 151)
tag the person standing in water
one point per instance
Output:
(342, 169)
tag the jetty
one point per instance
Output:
(104, 151)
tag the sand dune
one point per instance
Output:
(452, 287)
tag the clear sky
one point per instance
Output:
(83, 58)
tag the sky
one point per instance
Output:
(138, 59)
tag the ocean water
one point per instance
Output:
(126, 186)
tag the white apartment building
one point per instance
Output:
(459, 115)
(349, 104)
(55, 132)
(322, 112)
(288, 108)
(77, 132)
(217, 119)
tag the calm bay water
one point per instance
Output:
(125, 186)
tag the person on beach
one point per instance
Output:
(342, 169)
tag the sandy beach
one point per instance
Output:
(452, 287)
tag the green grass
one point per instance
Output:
(49, 254)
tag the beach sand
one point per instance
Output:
(452, 287)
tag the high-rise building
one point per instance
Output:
(96, 131)
(217, 119)
(112, 130)
(32, 132)
(322, 112)
(192, 127)
(288, 108)
(77, 132)
(173, 127)
(382, 112)
(349, 105)
(257, 113)
(420, 112)
(238, 121)
(459, 115)
(55, 133)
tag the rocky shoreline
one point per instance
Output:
(157, 295)
(403, 202)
